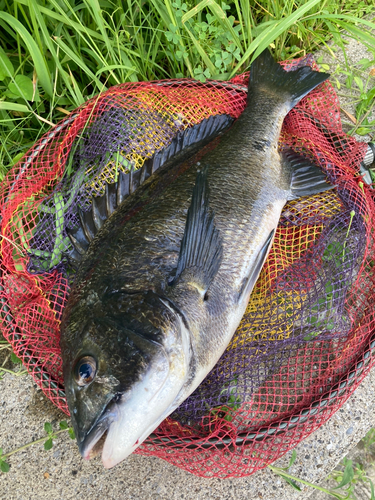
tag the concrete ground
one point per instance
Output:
(365, 456)
(61, 473)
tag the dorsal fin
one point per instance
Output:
(103, 206)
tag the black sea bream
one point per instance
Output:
(164, 281)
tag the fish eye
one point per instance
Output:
(85, 370)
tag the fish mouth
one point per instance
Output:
(99, 440)
(93, 442)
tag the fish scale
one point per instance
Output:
(172, 268)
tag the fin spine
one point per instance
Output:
(103, 206)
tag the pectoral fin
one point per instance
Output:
(256, 267)
(201, 246)
(306, 177)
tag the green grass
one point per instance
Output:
(55, 54)
(347, 477)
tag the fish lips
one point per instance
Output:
(92, 443)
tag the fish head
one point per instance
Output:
(125, 361)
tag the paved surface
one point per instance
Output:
(61, 473)
(365, 457)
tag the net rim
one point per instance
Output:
(67, 121)
(352, 375)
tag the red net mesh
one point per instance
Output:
(306, 340)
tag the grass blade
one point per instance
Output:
(62, 18)
(51, 48)
(344, 17)
(96, 13)
(14, 106)
(262, 41)
(79, 62)
(6, 67)
(41, 67)
(110, 67)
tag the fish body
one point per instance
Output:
(166, 280)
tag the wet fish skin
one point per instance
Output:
(154, 337)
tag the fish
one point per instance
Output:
(167, 259)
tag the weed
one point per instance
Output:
(231, 400)
(359, 89)
(6, 348)
(48, 444)
(369, 440)
(346, 479)
(350, 476)
(54, 55)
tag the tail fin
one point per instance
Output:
(266, 73)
